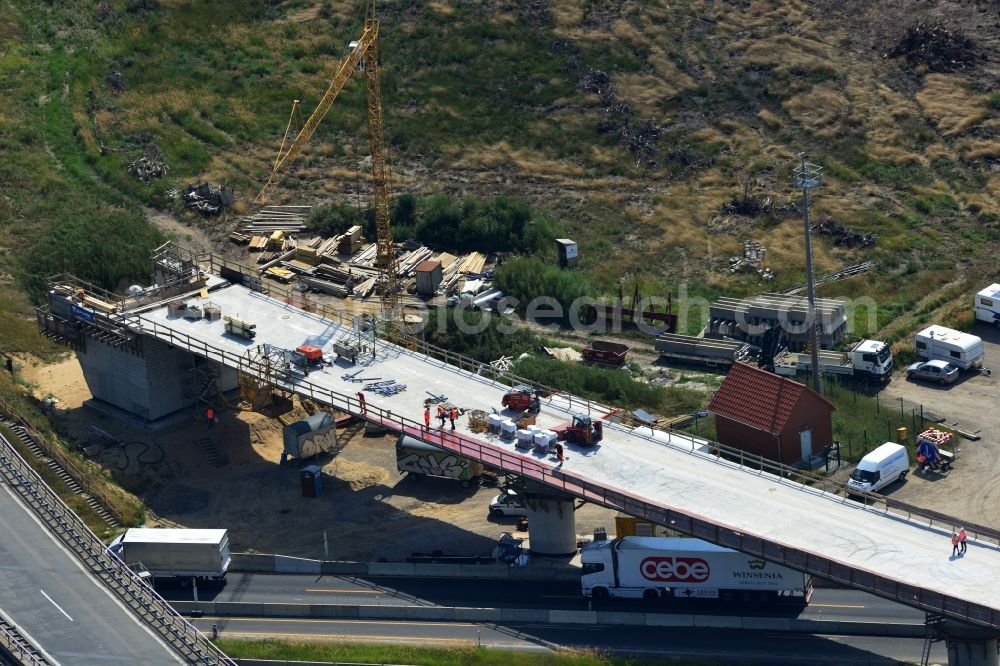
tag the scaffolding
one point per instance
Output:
(260, 375)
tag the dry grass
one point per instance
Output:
(946, 99)
(819, 110)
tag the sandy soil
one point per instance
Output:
(190, 236)
(972, 489)
(367, 510)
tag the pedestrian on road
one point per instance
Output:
(361, 400)
(427, 416)
(954, 544)
(452, 415)
(210, 415)
(961, 541)
(441, 415)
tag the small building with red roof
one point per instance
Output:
(771, 416)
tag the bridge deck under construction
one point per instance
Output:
(667, 477)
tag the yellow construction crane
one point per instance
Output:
(362, 58)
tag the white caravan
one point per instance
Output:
(937, 343)
(987, 304)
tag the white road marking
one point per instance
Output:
(57, 606)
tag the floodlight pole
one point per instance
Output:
(807, 177)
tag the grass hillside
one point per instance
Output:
(629, 123)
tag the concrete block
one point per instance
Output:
(477, 614)
(767, 623)
(485, 571)
(297, 565)
(252, 563)
(344, 568)
(828, 626)
(718, 621)
(239, 608)
(381, 612)
(391, 569)
(665, 620)
(573, 617)
(430, 613)
(333, 611)
(437, 570)
(621, 618)
(524, 615)
(284, 610)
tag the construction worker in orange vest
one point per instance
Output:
(442, 415)
(452, 415)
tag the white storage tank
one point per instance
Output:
(524, 438)
(551, 527)
(507, 429)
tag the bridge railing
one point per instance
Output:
(148, 606)
(14, 643)
(621, 500)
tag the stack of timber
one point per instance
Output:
(289, 219)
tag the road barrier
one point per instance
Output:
(551, 617)
(140, 598)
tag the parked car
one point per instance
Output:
(508, 504)
(934, 371)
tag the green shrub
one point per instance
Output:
(527, 278)
(332, 219)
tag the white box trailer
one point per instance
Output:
(652, 568)
(175, 553)
(987, 305)
(937, 343)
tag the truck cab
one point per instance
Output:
(873, 359)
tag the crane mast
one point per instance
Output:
(363, 57)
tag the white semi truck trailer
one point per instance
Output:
(175, 554)
(652, 568)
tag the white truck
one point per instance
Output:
(869, 360)
(987, 304)
(937, 343)
(175, 554)
(652, 568)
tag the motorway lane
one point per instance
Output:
(45, 590)
(725, 647)
(826, 604)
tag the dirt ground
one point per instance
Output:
(367, 509)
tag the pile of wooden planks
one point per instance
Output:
(289, 219)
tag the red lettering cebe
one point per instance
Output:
(674, 569)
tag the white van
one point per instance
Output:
(937, 343)
(987, 304)
(879, 468)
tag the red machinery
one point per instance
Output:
(581, 430)
(307, 355)
(522, 398)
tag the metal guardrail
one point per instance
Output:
(619, 499)
(72, 467)
(15, 644)
(148, 606)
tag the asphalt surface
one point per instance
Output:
(45, 591)
(706, 644)
(826, 604)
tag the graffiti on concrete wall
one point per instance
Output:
(318, 441)
(433, 464)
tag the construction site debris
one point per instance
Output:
(147, 168)
(208, 199)
(936, 47)
(239, 239)
(748, 204)
(843, 236)
(289, 219)
(752, 260)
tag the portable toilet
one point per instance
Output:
(312, 481)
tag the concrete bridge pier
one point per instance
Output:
(969, 645)
(551, 520)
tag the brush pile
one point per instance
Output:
(936, 47)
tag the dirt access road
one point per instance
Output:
(972, 489)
